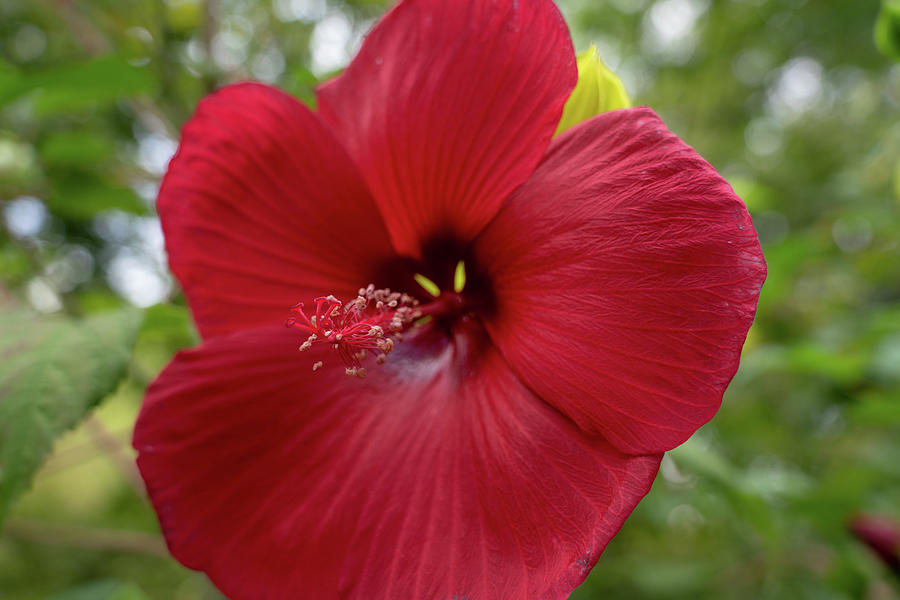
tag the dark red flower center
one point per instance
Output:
(447, 295)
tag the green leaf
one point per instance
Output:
(14, 264)
(10, 82)
(75, 148)
(170, 324)
(876, 409)
(79, 85)
(843, 366)
(53, 371)
(83, 196)
(103, 590)
(887, 29)
(302, 84)
(674, 577)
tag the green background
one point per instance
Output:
(790, 99)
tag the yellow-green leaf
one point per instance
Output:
(599, 90)
(887, 29)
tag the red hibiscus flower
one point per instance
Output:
(611, 277)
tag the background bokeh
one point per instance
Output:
(789, 99)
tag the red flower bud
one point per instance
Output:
(882, 535)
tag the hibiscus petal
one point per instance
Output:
(259, 206)
(438, 476)
(630, 270)
(448, 107)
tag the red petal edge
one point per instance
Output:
(257, 208)
(432, 478)
(448, 107)
(628, 269)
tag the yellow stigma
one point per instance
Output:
(427, 285)
(459, 277)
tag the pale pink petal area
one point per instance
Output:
(626, 273)
(261, 207)
(438, 476)
(448, 107)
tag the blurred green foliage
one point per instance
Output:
(790, 99)
(53, 372)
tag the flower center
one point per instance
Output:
(369, 323)
(373, 322)
(456, 295)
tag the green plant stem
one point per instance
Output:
(88, 538)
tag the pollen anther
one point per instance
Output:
(371, 321)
